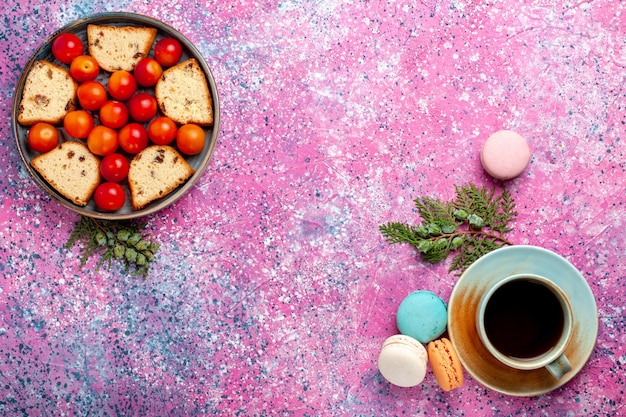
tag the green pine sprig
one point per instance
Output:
(124, 241)
(472, 225)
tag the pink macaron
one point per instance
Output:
(505, 155)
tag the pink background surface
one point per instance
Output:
(274, 289)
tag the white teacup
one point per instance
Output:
(525, 321)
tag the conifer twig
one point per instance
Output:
(471, 225)
(114, 240)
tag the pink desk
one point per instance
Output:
(274, 288)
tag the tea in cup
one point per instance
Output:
(525, 321)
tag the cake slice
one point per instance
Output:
(183, 94)
(71, 169)
(154, 173)
(49, 94)
(119, 47)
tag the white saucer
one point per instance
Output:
(478, 362)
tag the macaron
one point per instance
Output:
(445, 364)
(505, 154)
(403, 361)
(422, 315)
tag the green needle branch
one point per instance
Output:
(114, 240)
(473, 224)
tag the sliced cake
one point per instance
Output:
(154, 173)
(119, 47)
(49, 94)
(71, 169)
(183, 94)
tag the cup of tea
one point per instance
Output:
(525, 321)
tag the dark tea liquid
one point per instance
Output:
(523, 319)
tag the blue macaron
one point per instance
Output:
(422, 315)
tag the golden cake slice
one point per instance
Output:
(154, 173)
(119, 47)
(71, 169)
(49, 94)
(183, 94)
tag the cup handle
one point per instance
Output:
(559, 367)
